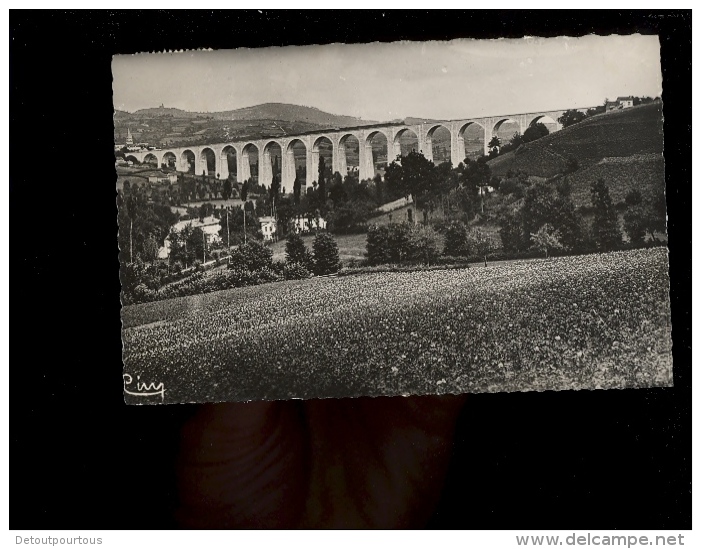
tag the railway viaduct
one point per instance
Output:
(183, 158)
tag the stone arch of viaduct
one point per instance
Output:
(183, 158)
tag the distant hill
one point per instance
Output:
(165, 126)
(624, 148)
(266, 111)
(412, 120)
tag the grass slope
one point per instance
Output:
(622, 174)
(622, 133)
(597, 321)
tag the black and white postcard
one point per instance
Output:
(404, 218)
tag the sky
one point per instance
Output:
(380, 81)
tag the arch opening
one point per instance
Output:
(323, 148)
(296, 165)
(169, 161)
(250, 163)
(349, 153)
(505, 129)
(187, 161)
(271, 164)
(208, 162)
(151, 160)
(229, 163)
(405, 141)
(378, 143)
(438, 143)
(471, 137)
(546, 120)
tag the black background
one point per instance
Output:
(82, 459)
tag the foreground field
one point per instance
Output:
(597, 321)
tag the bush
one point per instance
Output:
(252, 256)
(295, 250)
(388, 243)
(325, 250)
(296, 271)
(377, 245)
(400, 242)
(422, 245)
(456, 239)
(263, 275)
(279, 267)
(512, 186)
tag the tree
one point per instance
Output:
(513, 237)
(321, 182)
(483, 243)
(644, 216)
(131, 205)
(476, 174)
(538, 207)
(414, 176)
(226, 189)
(295, 250)
(239, 227)
(571, 165)
(423, 244)
(536, 131)
(567, 220)
(326, 258)
(546, 238)
(570, 117)
(196, 244)
(377, 245)
(285, 211)
(253, 256)
(605, 231)
(297, 190)
(150, 249)
(634, 222)
(456, 240)
(494, 146)
(517, 140)
(244, 196)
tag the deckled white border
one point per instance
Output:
(408, 539)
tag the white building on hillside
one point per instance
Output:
(302, 224)
(210, 226)
(163, 178)
(268, 226)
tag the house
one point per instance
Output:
(209, 226)
(303, 224)
(268, 226)
(163, 178)
(625, 102)
(619, 103)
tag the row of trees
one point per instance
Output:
(323, 259)
(143, 225)
(548, 218)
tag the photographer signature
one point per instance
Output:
(143, 389)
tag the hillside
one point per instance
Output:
(622, 174)
(623, 148)
(169, 126)
(620, 133)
